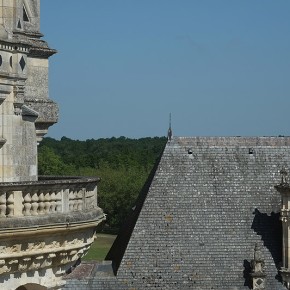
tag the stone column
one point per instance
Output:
(284, 189)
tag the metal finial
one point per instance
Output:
(169, 133)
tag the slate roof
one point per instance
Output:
(209, 202)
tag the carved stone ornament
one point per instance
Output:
(258, 273)
(18, 99)
(284, 176)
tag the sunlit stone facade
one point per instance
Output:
(47, 224)
(25, 111)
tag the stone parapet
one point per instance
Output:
(48, 196)
(47, 226)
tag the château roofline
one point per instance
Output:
(232, 141)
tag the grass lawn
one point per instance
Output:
(100, 247)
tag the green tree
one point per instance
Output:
(122, 163)
(49, 163)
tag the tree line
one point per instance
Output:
(123, 164)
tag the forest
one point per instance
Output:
(123, 164)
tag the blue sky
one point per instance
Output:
(221, 67)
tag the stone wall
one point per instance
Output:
(25, 109)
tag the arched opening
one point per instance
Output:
(21, 288)
(31, 286)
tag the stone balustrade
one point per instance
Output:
(49, 195)
(47, 226)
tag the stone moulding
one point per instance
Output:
(26, 111)
(35, 251)
(48, 110)
(47, 115)
(38, 47)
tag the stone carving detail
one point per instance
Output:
(41, 204)
(258, 273)
(76, 200)
(4, 268)
(34, 203)
(284, 215)
(10, 204)
(18, 99)
(90, 199)
(27, 204)
(42, 254)
(3, 205)
(22, 63)
(284, 176)
(24, 264)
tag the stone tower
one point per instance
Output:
(46, 224)
(25, 110)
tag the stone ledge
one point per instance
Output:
(47, 109)
(49, 180)
(36, 223)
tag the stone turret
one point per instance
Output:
(47, 224)
(25, 109)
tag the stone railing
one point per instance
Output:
(49, 195)
(46, 227)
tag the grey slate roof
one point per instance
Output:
(210, 201)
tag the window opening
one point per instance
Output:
(25, 16)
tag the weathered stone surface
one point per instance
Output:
(23, 85)
(46, 225)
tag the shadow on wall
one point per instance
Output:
(269, 227)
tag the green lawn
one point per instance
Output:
(100, 247)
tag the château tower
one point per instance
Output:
(26, 112)
(47, 223)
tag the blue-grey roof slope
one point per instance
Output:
(210, 201)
